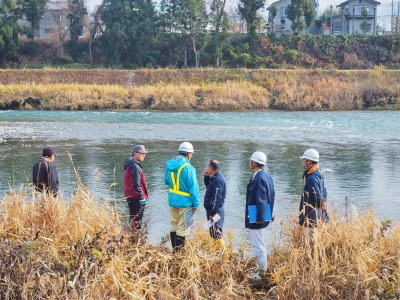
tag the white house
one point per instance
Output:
(54, 22)
(359, 16)
(281, 23)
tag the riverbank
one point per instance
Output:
(81, 249)
(200, 90)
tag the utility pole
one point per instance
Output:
(331, 21)
(391, 31)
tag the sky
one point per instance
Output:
(384, 10)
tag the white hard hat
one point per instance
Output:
(311, 154)
(186, 147)
(259, 157)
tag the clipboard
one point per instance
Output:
(189, 218)
(252, 209)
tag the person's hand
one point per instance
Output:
(206, 173)
(143, 201)
(259, 222)
(194, 210)
(324, 205)
(212, 219)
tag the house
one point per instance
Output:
(54, 22)
(358, 16)
(281, 23)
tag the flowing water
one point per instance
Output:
(362, 149)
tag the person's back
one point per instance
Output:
(44, 175)
(183, 193)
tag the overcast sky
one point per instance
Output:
(384, 10)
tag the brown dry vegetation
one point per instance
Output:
(51, 249)
(358, 258)
(202, 90)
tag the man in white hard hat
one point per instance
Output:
(183, 193)
(260, 199)
(314, 195)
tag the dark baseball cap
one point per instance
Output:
(139, 149)
(48, 151)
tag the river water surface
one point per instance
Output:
(362, 149)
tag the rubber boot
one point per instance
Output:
(180, 242)
(172, 235)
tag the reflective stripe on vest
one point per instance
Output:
(175, 183)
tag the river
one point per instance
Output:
(362, 148)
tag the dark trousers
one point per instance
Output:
(135, 212)
(216, 229)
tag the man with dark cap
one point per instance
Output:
(45, 177)
(135, 187)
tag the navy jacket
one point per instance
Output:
(45, 177)
(260, 191)
(313, 193)
(135, 185)
(215, 192)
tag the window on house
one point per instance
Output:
(358, 10)
(49, 30)
(283, 12)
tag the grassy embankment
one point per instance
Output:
(80, 250)
(200, 90)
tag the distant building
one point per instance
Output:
(358, 16)
(281, 23)
(54, 22)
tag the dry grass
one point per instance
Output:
(80, 249)
(354, 259)
(200, 90)
(51, 249)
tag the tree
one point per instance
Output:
(309, 14)
(301, 13)
(189, 18)
(248, 11)
(326, 14)
(130, 27)
(10, 14)
(220, 24)
(364, 24)
(33, 11)
(273, 12)
(76, 17)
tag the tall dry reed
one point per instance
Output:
(202, 90)
(358, 258)
(80, 249)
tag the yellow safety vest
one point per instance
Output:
(175, 183)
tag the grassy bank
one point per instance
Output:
(80, 250)
(200, 90)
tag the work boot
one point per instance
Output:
(172, 235)
(180, 243)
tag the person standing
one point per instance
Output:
(135, 186)
(260, 196)
(313, 197)
(214, 198)
(45, 176)
(183, 193)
